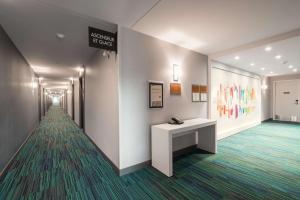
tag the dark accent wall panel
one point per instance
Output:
(18, 99)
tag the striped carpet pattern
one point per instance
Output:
(59, 162)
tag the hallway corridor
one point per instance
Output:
(55, 157)
(59, 162)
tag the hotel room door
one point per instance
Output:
(287, 100)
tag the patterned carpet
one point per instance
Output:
(59, 162)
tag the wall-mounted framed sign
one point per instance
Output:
(199, 93)
(102, 39)
(175, 89)
(203, 93)
(156, 95)
(195, 93)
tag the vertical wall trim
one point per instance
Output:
(44, 108)
(82, 99)
(209, 88)
(39, 102)
(73, 100)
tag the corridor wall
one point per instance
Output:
(18, 99)
(101, 104)
(69, 99)
(76, 102)
(266, 98)
(143, 58)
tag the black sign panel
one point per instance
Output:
(102, 39)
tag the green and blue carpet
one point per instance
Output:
(59, 162)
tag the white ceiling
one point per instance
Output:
(210, 26)
(33, 27)
(289, 50)
(122, 12)
(206, 26)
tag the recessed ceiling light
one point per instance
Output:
(262, 68)
(268, 48)
(278, 57)
(295, 70)
(60, 35)
(252, 64)
(271, 72)
(237, 57)
(291, 66)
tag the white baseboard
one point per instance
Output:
(227, 133)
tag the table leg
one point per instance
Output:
(207, 139)
(162, 157)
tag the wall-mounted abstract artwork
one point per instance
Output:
(234, 101)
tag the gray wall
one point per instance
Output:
(101, 104)
(279, 78)
(18, 99)
(144, 58)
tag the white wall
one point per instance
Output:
(266, 99)
(69, 99)
(76, 102)
(101, 104)
(144, 58)
(228, 77)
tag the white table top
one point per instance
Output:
(188, 124)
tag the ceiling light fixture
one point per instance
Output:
(60, 36)
(291, 66)
(252, 64)
(295, 70)
(271, 72)
(278, 57)
(262, 68)
(236, 57)
(268, 49)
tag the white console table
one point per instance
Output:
(163, 134)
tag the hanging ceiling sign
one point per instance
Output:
(102, 39)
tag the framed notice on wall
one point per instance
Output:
(203, 93)
(199, 93)
(156, 95)
(195, 93)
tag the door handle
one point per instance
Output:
(297, 102)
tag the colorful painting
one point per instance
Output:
(235, 101)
